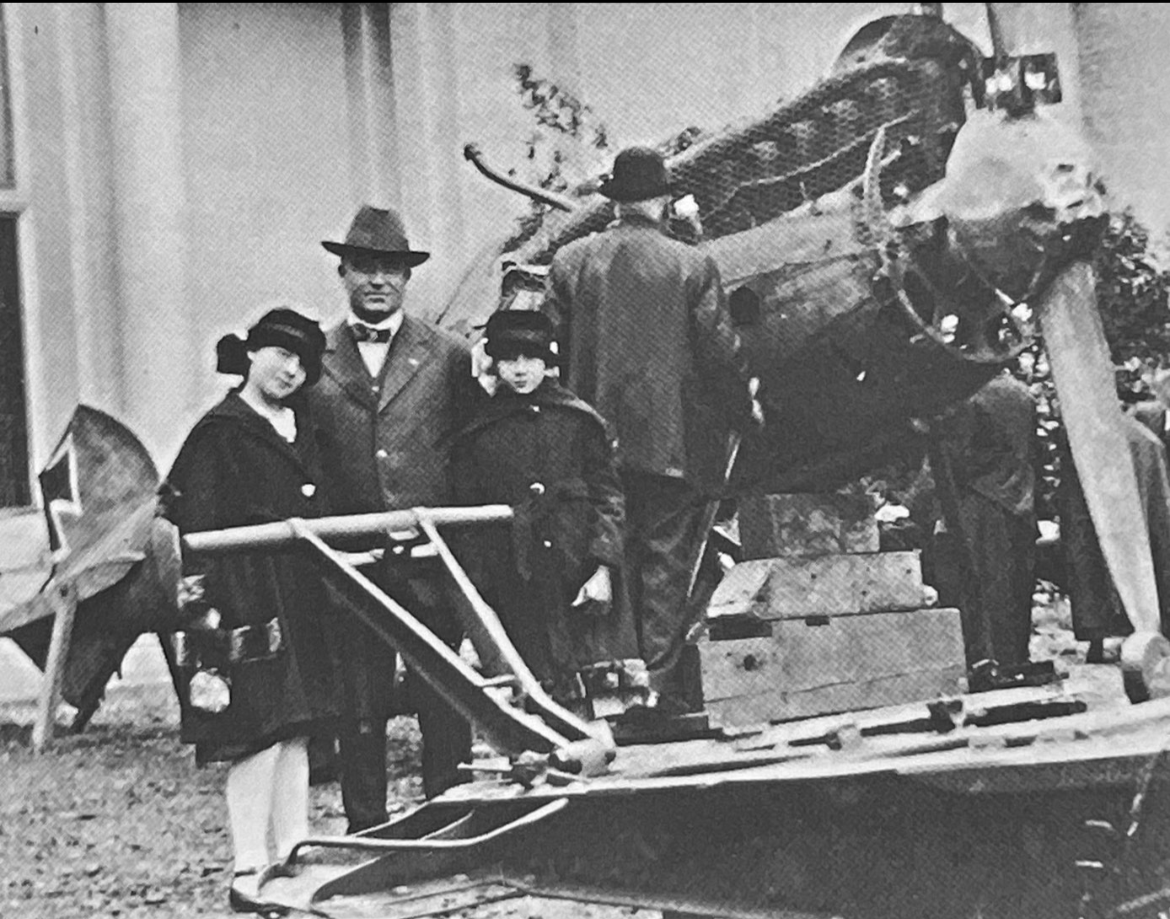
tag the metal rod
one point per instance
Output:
(373, 844)
(282, 534)
(495, 648)
(507, 729)
(472, 153)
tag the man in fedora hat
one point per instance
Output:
(391, 387)
(643, 323)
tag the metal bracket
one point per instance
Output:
(541, 727)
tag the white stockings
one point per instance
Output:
(268, 795)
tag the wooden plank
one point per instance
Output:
(786, 525)
(826, 585)
(64, 602)
(854, 662)
(831, 699)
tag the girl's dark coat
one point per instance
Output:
(547, 455)
(234, 469)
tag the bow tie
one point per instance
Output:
(368, 333)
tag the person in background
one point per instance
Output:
(557, 584)
(1155, 413)
(258, 657)
(1097, 613)
(984, 551)
(648, 342)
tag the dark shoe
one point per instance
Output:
(241, 902)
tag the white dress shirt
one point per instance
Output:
(373, 352)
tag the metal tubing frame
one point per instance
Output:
(281, 534)
(496, 651)
(546, 726)
(473, 155)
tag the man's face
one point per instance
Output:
(376, 285)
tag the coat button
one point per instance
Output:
(308, 489)
(381, 453)
(537, 488)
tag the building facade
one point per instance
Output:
(167, 169)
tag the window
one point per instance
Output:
(7, 154)
(14, 485)
(14, 479)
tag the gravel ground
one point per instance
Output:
(118, 821)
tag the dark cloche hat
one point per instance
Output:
(281, 328)
(375, 231)
(510, 332)
(638, 173)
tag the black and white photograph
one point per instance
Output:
(602, 460)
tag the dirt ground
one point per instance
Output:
(118, 821)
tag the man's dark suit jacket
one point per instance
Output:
(381, 451)
(386, 432)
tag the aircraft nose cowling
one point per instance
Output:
(1021, 198)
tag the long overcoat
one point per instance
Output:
(233, 470)
(984, 460)
(383, 452)
(547, 455)
(643, 321)
(1097, 611)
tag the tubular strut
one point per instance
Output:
(543, 727)
(473, 155)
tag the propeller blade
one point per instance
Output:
(1083, 373)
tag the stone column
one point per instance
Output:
(150, 222)
(375, 172)
(423, 43)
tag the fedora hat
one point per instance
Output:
(375, 231)
(638, 173)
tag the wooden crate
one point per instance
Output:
(771, 526)
(826, 585)
(843, 664)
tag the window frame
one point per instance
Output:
(14, 206)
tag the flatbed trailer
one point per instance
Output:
(1033, 801)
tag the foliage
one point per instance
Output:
(1133, 295)
(1132, 289)
(564, 122)
(561, 120)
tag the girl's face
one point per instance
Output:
(276, 373)
(521, 372)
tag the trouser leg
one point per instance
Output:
(446, 741)
(664, 535)
(362, 745)
(1014, 622)
(446, 735)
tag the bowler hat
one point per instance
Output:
(511, 332)
(279, 328)
(375, 231)
(638, 173)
